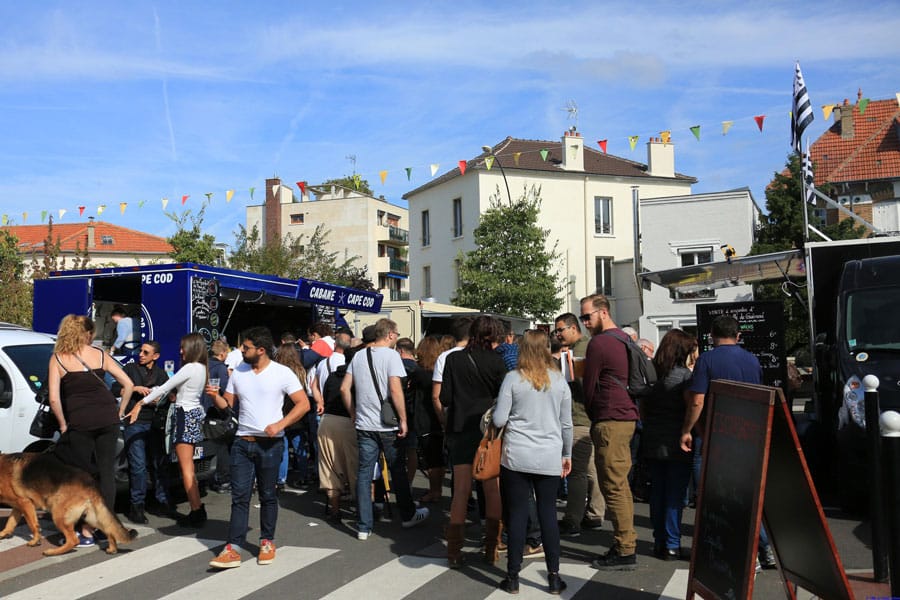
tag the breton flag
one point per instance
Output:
(806, 172)
(802, 113)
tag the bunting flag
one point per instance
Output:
(759, 121)
(43, 216)
(462, 167)
(356, 180)
(544, 153)
(184, 198)
(633, 140)
(24, 217)
(602, 144)
(100, 209)
(726, 125)
(141, 203)
(862, 105)
(81, 211)
(489, 162)
(253, 189)
(62, 212)
(229, 194)
(209, 196)
(165, 203)
(5, 220)
(383, 175)
(408, 173)
(802, 110)
(122, 206)
(898, 98)
(434, 168)
(516, 156)
(809, 179)
(666, 136)
(696, 131)
(827, 110)
(275, 189)
(302, 186)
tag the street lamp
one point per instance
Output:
(490, 152)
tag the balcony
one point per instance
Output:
(396, 236)
(399, 265)
(399, 296)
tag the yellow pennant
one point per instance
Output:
(516, 156)
(5, 220)
(100, 209)
(665, 136)
(726, 125)
(489, 162)
(434, 168)
(24, 217)
(383, 175)
(122, 206)
(229, 194)
(827, 110)
(62, 211)
(165, 203)
(632, 141)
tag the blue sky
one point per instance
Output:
(109, 102)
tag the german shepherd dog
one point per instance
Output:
(31, 481)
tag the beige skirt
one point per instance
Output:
(338, 454)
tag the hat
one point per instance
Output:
(368, 334)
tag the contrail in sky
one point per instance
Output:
(165, 88)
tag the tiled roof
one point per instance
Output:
(530, 159)
(124, 240)
(872, 153)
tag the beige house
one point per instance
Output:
(588, 200)
(360, 225)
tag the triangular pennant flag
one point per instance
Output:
(489, 162)
(434, 168)
(253, 189)
(62, 212)
(898, 98)
(5, 220)
(229, 194)
(408, 172)
(141, 203)
(544, 153)
(24, 217)
(726, 125)
(165, 203)
(356, 180)
(826, 110)
(81, 211)
(759, 121)
(383, 175)
(100, 209)
(696, 131)
(275, 189)
(122, 206)
(462, 167)
(209, 196)
(666, 136)
(632, 141)
(516, 156)
(184, 198)
(602, 144)
(302, 186)
(43, 216)
(862, 105)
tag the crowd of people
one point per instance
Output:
(356, 417)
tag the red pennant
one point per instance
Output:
(302, 186)
(462, 167)
(184, 198)
(759, 121)
(602, 145)
(81, 211)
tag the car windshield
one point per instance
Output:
(32, 361)
(873, 322)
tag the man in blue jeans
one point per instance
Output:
(259, 385)
(374, 375)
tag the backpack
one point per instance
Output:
(641, 372)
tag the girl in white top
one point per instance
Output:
(186, 420)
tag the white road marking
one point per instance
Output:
(533, 580)
(395, 579)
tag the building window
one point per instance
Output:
(603, 274)
(381, 250)
(426, 228)
(695, 256)
(297, 219)
(457, 217)
(106, 240)
(426, 282)
(380, 217)
(393, 220)
(603, 215)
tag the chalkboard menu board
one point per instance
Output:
(761, 325)
(205, 303)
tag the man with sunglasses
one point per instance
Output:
(613, 417)
(144, 442)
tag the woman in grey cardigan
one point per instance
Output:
(535, 405)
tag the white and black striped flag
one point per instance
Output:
(809, 180)
(802, 113)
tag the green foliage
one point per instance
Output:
(352, 182)
(511, 271)
(15, 301)
(189, 243)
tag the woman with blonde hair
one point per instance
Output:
(184, 424)
(535, 406)
(85, 407)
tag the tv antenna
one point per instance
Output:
(572, 110)
(352, 159)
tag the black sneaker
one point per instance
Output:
(195, 518)
(136, 515)
(613, 561)
(568, 529)
(592, 524)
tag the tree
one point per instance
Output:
(15, 301)
(511, 271)
(189, 243)
(51, 258)
(782, 229)
(352, 182)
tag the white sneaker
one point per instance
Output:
(363, 535)
(417, 519)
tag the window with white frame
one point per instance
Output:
(603, 224)
(426, 228)
(457, 218)
(603, 274)
(695, 256)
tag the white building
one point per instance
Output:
(587, 205)
(360, 225)
(679, 231)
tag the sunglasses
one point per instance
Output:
(587, 316)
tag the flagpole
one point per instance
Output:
(803, 197)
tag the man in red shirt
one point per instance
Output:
(613, 416)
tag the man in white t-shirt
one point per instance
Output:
(373, 435)
(259, 385)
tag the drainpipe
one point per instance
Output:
(636, 208)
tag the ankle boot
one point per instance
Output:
(456, 535)
(136, 514)
(492, 530)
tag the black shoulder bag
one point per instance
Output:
(388, 412)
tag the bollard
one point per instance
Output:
(890, 432)
(876, 481)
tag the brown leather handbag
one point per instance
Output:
(487, 457)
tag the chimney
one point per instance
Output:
(91, 237)
(272, 210)
(660, 158)
(572, 150)
(847, 128)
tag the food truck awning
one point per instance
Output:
(737, 271)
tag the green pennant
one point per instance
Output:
(253, 189)
(696, 131)
(408, 173)
(141, 203)
(544, 153)
(356, 179)
(43, 216)
(862, 105)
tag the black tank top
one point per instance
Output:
(86, 401)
